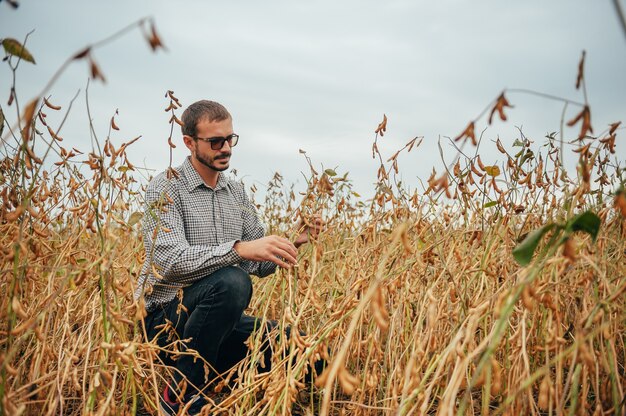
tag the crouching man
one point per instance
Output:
(202, 236)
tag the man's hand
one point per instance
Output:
(309, 230)
(272, 248)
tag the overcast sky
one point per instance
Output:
(318, 75)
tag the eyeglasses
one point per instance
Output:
(218, 142)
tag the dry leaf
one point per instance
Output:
(501, 104)
(15, 48)
(29, 113)
(95, 71)
(382, 127)
(176, 120)
(153, 39)
(620, 203)
(581, 71)
(585, 115)
(469, 133)
(81, 54)
(50, 105)
(492, 170)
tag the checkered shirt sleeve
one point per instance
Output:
(189, 232)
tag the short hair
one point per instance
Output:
(202, 110)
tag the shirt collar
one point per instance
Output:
(193, 178)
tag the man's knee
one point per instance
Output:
(233, 286)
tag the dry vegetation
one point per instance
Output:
(417, 299)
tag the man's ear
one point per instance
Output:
(189, 142)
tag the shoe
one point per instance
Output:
(193, 404)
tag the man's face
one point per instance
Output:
(216, 160)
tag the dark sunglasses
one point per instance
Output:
(218, 142)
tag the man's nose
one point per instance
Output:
(226, 146)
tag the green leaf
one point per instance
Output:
(1, 122)
(330, 172)
(528, 155)
(490, 204)
(551, 136)
(524, 251)
(587, 222)
(518, 143)
(13, 47)
(385, 189)
(135, 217)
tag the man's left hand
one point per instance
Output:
(310, 229)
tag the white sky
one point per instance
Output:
(318, 75)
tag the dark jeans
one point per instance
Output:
(213, 322)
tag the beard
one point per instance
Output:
(210, 162)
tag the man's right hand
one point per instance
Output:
(272, 248)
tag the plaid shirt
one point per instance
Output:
(189, 231)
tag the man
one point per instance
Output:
(202, 240)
